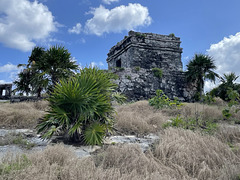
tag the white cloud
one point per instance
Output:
(23, 22)
(3, 82)
(117, 19)
(76, 29)
(96, 64)
(226, 54)
(208, 86)
(8, 68)
(109, 1)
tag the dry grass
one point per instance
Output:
(139, 118)
(228, 133)
(21, 115)
(219, 102)
(180, 154)
(200, 156)
(202, 111)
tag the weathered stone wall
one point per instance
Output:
(8, 90)
(133, 59)
(147, 50)
(142, 84)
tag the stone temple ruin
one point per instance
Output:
(5, 91)
(134, 58)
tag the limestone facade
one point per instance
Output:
(134, 58)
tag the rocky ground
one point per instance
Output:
(21, 141)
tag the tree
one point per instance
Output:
(81, 107)
(23, 82)
(227, 82)
(45, 68)
(57, 63)
(199, 69)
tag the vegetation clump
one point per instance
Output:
(157, 72)
(137, 68)
(161, 101)
(171, 35)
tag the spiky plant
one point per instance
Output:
(81, 107)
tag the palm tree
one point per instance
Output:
(227, 82)
(58, 64)
(23, 82)
(81, 106)
(199, 69)
(45, 68)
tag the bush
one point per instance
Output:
(80, 107)
(137, 68)
(157, 72)
(119, 98)
(208, 99)
(161, 101)
(171, 35)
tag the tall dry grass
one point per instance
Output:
(139, 118)
(202, 111)
(199, 156)
(180, 154)
(21, 115)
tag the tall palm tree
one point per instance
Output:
(199, 69)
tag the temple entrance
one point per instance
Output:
(118, 63)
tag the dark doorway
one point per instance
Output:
(119, 63)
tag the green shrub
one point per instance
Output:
(137, 68)
(119, 98)
(157, 72)
(81, 107)
(128, 77)
(192, 124)
(161, 101)
(171, 35)
(140, 35)
(233, 104)
(208, 99)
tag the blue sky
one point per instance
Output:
(88, 29)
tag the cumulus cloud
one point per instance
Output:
(8, 68)
(226, 54)
(109, 1)
(23, 22)
(76, 29)
(96, 64)
(117, 19)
